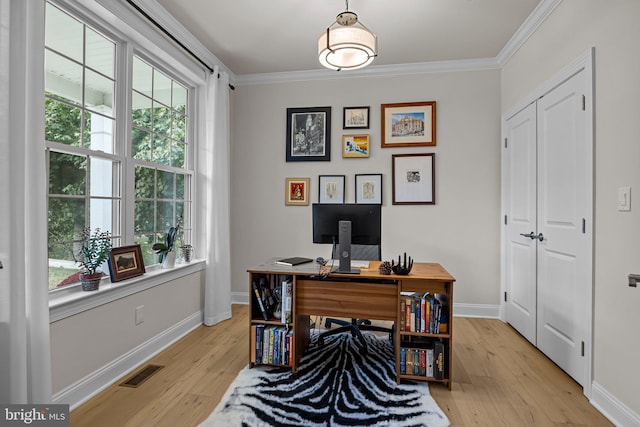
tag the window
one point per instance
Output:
(88, 180)
(158, 146)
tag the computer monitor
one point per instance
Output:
(344, 224)
(366, 222)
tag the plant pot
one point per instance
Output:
(187, 253)
(169, 260)
(90, 282)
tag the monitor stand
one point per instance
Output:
(344, 249)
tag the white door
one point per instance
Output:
(563, 206)
(548, 186)
(521, 192)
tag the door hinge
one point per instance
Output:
(505, 143)
(582, 349)
(584, 103)
(584, 226)
(505, 220)
(505, 297)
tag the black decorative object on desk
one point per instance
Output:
(385, 268)
(404, 268)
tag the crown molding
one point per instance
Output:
(171, 24)
(370, 71)
(528, 27)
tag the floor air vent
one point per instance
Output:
(142, 376)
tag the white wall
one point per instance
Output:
(461, 231)
(612, 28)
(101, 341)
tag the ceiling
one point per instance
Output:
(275, 36)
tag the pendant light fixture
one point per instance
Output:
(347, 44)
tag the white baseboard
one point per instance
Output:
(239, 298)
(84, 389)
(487, 311)
(617, 412)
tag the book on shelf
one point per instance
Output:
(260, 302)
(296, 260)
(438, 360)
(286, 300)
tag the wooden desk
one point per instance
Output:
(369, 295)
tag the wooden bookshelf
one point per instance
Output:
(367, 295)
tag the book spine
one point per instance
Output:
(429, 372)
(263, 310)
(403, 360)
(408, 316)
(416, 361)
(259, 333)
(438, 363)
(253, 344)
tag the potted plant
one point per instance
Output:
(166, 250)
(93, 252)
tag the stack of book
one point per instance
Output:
(272, 345)
(423, 361)
(424, 313)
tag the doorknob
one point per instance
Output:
(530, 235)
(539, 237)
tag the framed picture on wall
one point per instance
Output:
(308, 134)
(331, 189)
(355, 118)
(408, 124)
(414, 179)
(369, 188)
(355, 146)
(297, 191)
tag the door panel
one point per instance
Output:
(520, 187)
(562, 195)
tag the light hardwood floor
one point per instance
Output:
(499, 379)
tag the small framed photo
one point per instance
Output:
(331, 189)
(125, 262)
(297, 191)
(369, 188)
(355, 118)
(308, 134)
(355, 146)
(408, 124)
(414, 179)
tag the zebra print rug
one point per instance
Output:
(334, 385)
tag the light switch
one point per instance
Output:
(624, 199)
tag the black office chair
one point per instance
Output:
(361, 253)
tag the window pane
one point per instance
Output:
(98, 93)
(177, 155)
(165, 185)
(140, 144)
(180, 210)
(63, 33)
(142, 76)
(66, 218)
(67, 174)
(145, 183)
(101, 214)
(179, 97)
(141, 110)
(63, 78)
(102, 178)
(144, 217)
(164, 217)
(98, 133)
(62, 123)
(179, 124)
(101, 53)
(161, 150)
(145, 242)
(161, 119)
(161, 88)
(180, 186)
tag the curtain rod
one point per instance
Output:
(171, 36)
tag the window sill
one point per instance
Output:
(73, 300)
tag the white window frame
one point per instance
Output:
(153, 48)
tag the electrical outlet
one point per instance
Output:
(139, 315)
